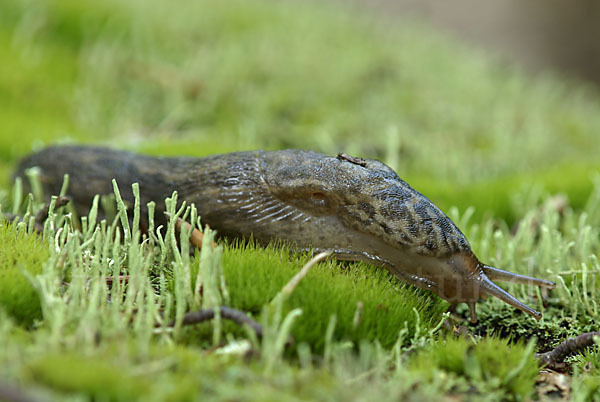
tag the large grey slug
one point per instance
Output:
(360, 209)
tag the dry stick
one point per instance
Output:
(237, 316)
(196, 236)
(288, 289)
(357, 314)
(41, 215)
(554, 358)
(111, 279)
(291, 285)
(352, 159)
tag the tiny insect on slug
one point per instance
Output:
(358, 208)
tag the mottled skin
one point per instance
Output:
(358, 208)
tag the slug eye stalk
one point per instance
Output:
(497, 274)
(491, 288)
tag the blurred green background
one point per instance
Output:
(208, 76)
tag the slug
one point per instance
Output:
(358, 208)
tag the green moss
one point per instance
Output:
(254, 276)
(93, 377)
(490, 366)
(175, 373)
(586, 388)
(589, 361)
(21, 253)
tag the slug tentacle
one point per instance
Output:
(505, 276)
(490, 287)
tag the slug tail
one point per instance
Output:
(506, 276)
(495, 290)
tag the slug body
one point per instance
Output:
(358, 208)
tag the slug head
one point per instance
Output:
(464, 279)
(362, 210)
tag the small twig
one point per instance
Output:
(196, 236)
(237, 316)
(291, 285)
(357, 314)
(554, 359)
(352, 159)
(42, 214)
(121, 278)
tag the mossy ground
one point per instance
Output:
(206, 77)
(22, 255)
